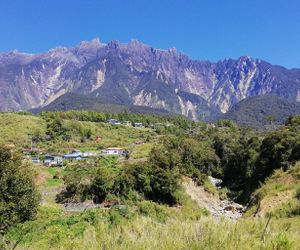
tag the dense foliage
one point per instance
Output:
(18, 194)
(93, 116)
(106, 180)
(239, 157)
(263, 111)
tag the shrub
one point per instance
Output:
(156, 183)
(118, 213)
(102, 185)
(223, 193)
(297, 195)
(18, 194)
(282, 241)
(153, 210)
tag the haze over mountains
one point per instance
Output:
(136, 74)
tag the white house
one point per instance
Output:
(51, 160)
(89, 154)
(127, 123)
(138, 124)
(113, 122)
(112, 151)
(73, 155)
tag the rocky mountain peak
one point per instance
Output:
(114, 44)
(172, 50)
(15, 56)
(94, 43)
(134, 43)
(138, 74)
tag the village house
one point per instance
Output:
(127, 123)
(75, 154)
(89, 154)
(51, 161)
(35, 160)
(138, 125)
(78, 155)
(113, 151)
(113, 122)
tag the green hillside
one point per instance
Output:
(146, 199)
(74, 101)
(17, 128)
(27, 131)
(263, 111)
(279, 195)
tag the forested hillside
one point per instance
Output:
(266, 111)
(138, 199)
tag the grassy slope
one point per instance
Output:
(111, 135)
(278, 195)
(18, 129)
(146, 225)
(165, 228)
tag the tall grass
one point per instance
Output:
(146, 233)
(278, 195)
(148, 225)
(18, 129)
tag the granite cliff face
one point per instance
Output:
(137, 74)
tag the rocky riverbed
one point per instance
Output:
(218, 208)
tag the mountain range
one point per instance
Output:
(136, 74)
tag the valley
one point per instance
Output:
(177, 129)
(160, 189)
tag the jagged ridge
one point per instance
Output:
(137, 74)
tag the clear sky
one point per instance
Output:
(202, 29)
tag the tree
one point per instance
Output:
(293, 121)
(103, 184)
(279, 149)
(199, 155)
(156, 182)
(55, 129)
(18, 194)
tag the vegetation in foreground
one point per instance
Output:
(140, 203)
(148, 228)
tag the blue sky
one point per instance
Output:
(202, 29)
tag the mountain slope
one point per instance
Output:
(137, 74)
(73, 101)
(262, 110)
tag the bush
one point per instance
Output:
(282, 241)
(102, 184)
(118, 213)
(223, 193)
(156, 183)
(297, 195)
(153, 210)
(18, 195)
